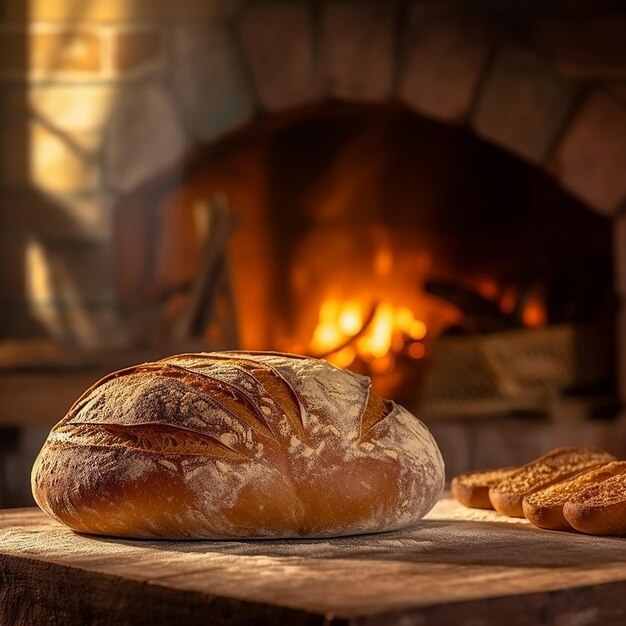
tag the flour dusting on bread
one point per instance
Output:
(237, 444)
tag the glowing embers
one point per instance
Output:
(373, 332)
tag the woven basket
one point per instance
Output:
(517, 370)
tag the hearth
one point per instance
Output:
(369, 235)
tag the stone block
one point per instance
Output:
(590, 160)
(286, 74)
(49, 50)
(35, 156)
(136, 50)
(57, 165)
(75, 51)
(523, 104)
(212, 86)
(583, 46)
(445, 49)
(78, 112)
(37, 153)
(358, 49)
(145, 136)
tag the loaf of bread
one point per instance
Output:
(236, 445)
(472, 488)
(508, 495)
(544, 508)
(599, 509)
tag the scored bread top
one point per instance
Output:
(230, 396)
(550, 468)
(236, 430)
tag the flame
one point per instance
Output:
(351, 319)
(342, 334)
(342, 358)
(377, 342)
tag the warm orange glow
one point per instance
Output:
(507, 304)
(534, 314)
(417, 350)
(488, 288)
(417, 329)
(383, 365)
(350, 320)
(327, 337)
(343, 358)
(383, 262)
(378, 340)
(403, 317)
(342, 334)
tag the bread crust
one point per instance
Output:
(544, 508)
(508, 495)
(236, 445)
(599, 509)
(471, 489)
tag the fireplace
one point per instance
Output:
(369, 235)
(422, 192)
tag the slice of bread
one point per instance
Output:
(544, 508)
(472, 488)
(557, 465)
(599, 509)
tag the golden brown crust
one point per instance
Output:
(472, 488)
(237, 444)
(544, 508)
(507, 497)
(599, 509)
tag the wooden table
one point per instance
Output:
(457, 567)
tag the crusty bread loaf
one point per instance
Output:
(544, 508)
(557, 465)
(599, 509)
(236, 444)
(472, 488)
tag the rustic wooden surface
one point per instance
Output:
(458, 566)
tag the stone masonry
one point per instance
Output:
(95, 104)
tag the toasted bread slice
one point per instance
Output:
(599, 509)
(472, 488)
(557, 465)
(544, 508)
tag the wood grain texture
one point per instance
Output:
(457, 566)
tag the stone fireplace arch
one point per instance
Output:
(525, 89)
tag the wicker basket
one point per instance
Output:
(517, 370)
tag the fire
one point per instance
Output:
(534, 314)
(345, 332)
